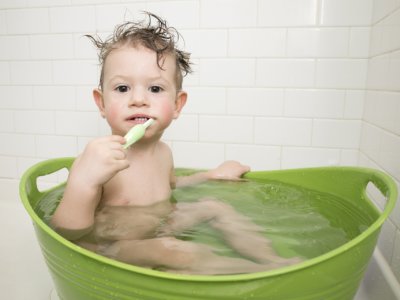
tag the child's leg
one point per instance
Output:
(238, 231)
(186, 216)
(114, 223)
(178, 256)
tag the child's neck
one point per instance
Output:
(143, 148)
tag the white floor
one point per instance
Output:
(23, 273)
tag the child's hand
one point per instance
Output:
(100, 161)
(229, 170)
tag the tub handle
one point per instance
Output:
(386, 185)
(44, 168)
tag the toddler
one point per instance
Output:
(116, 201)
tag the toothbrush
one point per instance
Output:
(136, 133)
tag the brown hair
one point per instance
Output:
(160, 38)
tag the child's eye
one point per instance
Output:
(155, 89)
(122, 88)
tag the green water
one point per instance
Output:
(298, 221)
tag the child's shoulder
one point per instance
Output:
(163, 145)
(164, 155)
(164, 148)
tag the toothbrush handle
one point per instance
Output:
(133, 135)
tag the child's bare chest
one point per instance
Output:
(133, 187)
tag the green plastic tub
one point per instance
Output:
(79, 274)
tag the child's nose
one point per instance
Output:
(138, 98)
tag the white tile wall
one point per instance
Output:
(15, 47)
(295, 157)
(235, 130)
(195, 39)
(341, 73)
(3, 23)
(54, 98)
(7, 121)
(228, 13)
(51, 46)
(108, 16)
(172, 11)
(318, 42)
(30, 72)
(84, 19)
(206, 100)
(359, 42)
(8, 167)
(70, 123)
(15, 97)
(255, 101)
(237, 72)
(186, 128)
(283, 131)
(198, 155)
(258, 42)
(46, 145)
(277, 84)
(285, 73)
(287, 13)
(396, 255)
(5, 73)
(264, 157)
(336, 133)
(27, 21)
(315, 103)
(346, 12)
(354, 104)
(380, 136)
(34, 122)
(75, 72)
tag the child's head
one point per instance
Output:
(157, 37)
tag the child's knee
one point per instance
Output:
(214, 205)
(110, 250)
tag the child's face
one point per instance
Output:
(135, 89)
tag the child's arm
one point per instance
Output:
(99, 162)
(229, 170)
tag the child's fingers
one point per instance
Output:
(118, 161)
(232, 178)
(246, 168)
(117, 143)
(122, 164)
(119, 139)
(119, 154)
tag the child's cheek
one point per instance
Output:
(112, 114)
(167, 111)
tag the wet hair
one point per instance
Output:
(155, 34)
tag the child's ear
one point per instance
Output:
(179, 103)
(98, 98)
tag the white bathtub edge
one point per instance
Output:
(387, 273)
(379, 281)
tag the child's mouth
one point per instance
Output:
(138, 119)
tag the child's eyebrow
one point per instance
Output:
(155, 78)
(127, 78)
(119, 77)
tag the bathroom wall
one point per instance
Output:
(277, 84)
(380, 135)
